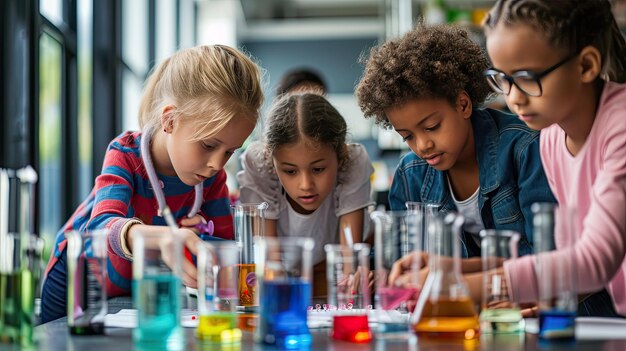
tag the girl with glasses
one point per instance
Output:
(561, 65)
(429, 87)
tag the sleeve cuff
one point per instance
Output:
(521, 277)
(117, 237)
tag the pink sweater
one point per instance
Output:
(593, 182)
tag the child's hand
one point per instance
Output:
(189, 241)
(190, 223)
(399, 274)
(356, 283)
(162, 238)
(189, 272)
(529, 310)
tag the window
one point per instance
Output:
(50, 161)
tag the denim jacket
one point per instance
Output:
(510, 173)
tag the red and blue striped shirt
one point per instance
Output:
(122, 192)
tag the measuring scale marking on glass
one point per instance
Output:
(396, 234)
(218, 296)
(347, 271)
(86, 281)
(556, 279)
(156, 293)
(284, 270)
(499, 314)
(20, 255)
(249, 220)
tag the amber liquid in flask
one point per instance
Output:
(449, 318)
(444, 309)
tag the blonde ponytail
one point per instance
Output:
(209, 84)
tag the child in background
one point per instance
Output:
(198, 107)
(301, 80)
(316, 185)
(428, 85)
(560, 65)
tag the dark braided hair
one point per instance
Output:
(570, 25)
(298, 115)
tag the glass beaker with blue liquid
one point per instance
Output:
(284, 268)
(556, 275)
(157, 291)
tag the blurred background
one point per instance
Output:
(73, 71)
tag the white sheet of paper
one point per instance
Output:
(127, 318)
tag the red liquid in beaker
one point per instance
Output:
(352, 328)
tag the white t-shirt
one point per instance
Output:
(258, 182)
(469, 209)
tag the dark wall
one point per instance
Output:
(336, 59)
(17, 82)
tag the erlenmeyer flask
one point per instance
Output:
(444, 308)
(249, 223)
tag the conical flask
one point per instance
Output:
(444, 308)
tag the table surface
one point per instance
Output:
(55, 336)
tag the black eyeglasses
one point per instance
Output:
(527, 81)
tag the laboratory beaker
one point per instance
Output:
(395, 235)
(19, 282)
(217, 292)
(17, 202)
(86, 281)
(284, 268)
(444, 308)
(347, 271)
(20, 255)
(556, 280)
(499, 313)
(249, 219)
(157, 290)
(425, 211)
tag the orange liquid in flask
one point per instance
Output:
(448, 318)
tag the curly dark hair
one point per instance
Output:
(437, 61)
